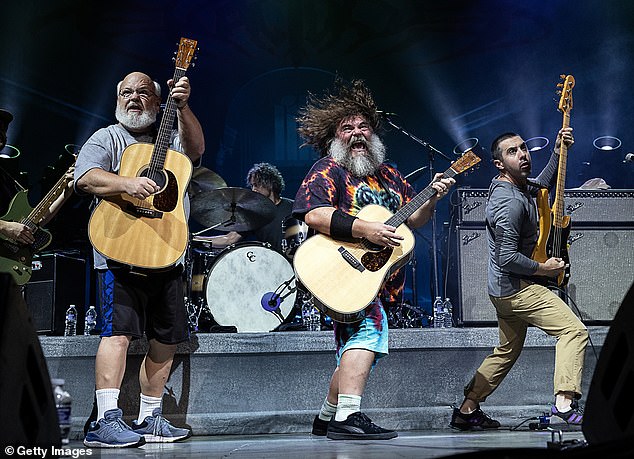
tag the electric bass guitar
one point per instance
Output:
(150, 233)
(16, 258)
(345, 277)
(554, 226)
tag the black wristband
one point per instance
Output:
(341, 225)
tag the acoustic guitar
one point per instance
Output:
(150, 233)
(345, 277)
(554, 226)
(16, 258)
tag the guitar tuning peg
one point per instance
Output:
(562, 76)
(560, 85)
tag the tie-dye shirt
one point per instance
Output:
(328, 184)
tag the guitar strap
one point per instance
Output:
(381, 180)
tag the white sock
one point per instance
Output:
(147, 406)
(107, 399)
(346, 405)
(328, 410)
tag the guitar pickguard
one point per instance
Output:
(167, 200)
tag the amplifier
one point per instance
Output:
(613, 207)
(57, 281)
(601, 271)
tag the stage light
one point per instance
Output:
(469, 144)
(607, 143)
(537, 143)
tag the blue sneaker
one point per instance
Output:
(157, 429)
(112, 432)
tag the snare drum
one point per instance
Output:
(294, 232)
(251, 287)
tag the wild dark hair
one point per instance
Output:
(267, 176)
(319, 119)
(496, 153)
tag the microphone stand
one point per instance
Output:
(431, 152)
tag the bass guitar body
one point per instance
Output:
(345, 277)
(15, 258)
(552, 242)
(150, 233)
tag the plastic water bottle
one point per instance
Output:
(70, 328)
(448, 312)
(439, 313)
(90, 320)
(311, 316)
(63, 403)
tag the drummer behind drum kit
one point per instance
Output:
(246, 286)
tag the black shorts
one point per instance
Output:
(145, 301)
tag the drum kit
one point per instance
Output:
(248, 286)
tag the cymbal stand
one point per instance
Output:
(431, 152)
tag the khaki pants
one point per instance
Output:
(533, 305)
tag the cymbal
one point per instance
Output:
(204, 179)
(232, 209)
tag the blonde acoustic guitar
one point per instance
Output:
(150, 233)
(345, 277)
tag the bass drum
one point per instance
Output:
(250, 286)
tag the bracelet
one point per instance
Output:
(341, 225)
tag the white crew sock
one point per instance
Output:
(107, 399)
(327, 411)
(346, 405)
(147, 406)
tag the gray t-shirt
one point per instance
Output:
(103, 150)
(512, 224)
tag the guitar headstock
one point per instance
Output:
(466, 161)
(565, 93)
(186, 53)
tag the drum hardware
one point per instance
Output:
(271, 300)
(404, 315)
(294, 232)
(232, 209)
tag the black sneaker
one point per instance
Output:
(358, 427)
(573, 417)
(320, 427)
(477, 420)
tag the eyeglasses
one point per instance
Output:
(143, 93)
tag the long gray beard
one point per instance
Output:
(133, 121)
(360, 166)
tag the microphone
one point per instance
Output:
(629, 158)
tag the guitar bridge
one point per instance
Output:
(352, 261)
(144, 212)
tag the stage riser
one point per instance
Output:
(276, 382)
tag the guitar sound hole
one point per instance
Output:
(373, 261)
(157, 176)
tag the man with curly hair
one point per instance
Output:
(343, 126)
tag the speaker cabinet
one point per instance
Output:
(601, 270)
(600, 273)
(474, 306)
(57, 281)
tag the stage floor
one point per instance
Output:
(409, 444)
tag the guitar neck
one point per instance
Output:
(421, 198)
(558, 204)
(159, 153)
(40, 210)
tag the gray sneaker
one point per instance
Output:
(157, 429)
(112, 432)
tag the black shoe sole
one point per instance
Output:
(360, 436)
